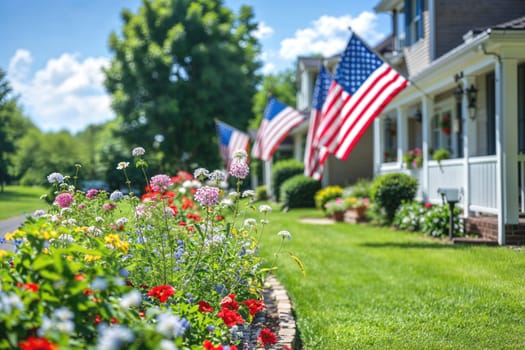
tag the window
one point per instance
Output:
(390, 137)
(413, 21)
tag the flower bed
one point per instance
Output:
(175, 269)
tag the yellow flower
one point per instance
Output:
(114, 241)
(3, 253)
(91, 258)
(69, 258)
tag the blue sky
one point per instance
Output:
(53, 50)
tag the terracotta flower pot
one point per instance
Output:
(338, 216)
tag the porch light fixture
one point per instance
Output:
(472, 94)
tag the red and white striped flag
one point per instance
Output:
(278, 120)
(312, 154)
(363, 85)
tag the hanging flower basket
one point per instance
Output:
(446, 127)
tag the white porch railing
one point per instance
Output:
(521, 180)
(449, 173)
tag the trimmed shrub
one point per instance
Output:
(327, 194)
(261, 193)
(361, 189)
(390, 190)
(410, 216)
(282, 171)
(299, 192)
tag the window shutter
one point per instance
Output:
(408, 19)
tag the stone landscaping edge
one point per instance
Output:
(277, 295)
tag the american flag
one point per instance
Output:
(363, 85)
(312, 162)
(277, 122)
(230, 141)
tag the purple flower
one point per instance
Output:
(160, 183)
(55, 177)
(92, 193)
(64, 200)
(116, 195)
(207, 195)
(239, 169)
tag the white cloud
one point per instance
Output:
(329, 35)
(67, 93)
(263, 31)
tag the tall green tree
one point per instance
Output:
(13, 125)
(177, 65)
(282, 86)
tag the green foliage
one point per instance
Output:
(177, 65)
(361, 189)
(326, 194)
(441, 154)
(299, 192)
(390, 190)
(436, 221)
(261, 193)
(410, 216)
(282, 171)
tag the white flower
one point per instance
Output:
(171, 326)
(114, 337)
(167, 345)
(226, 202)
(39, 213)
(250, 222)
(64, 211)
(99, 284)
(265, 208)
(217, 175)
(138, 151)
(131, 299)
(248, 193)
(240, 154)
(122, 165)
(284, 234)
(121, 221)
(233, 194)
(201, 172)
(264, 221)
(99, 219)
(9, 302)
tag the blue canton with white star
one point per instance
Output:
(322, 84)
(356, 65)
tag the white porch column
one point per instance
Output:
(298, 147)
(402, 134)
(378, 146)
(469, 141)
(427, 106)
(507, 143)
(267, 176)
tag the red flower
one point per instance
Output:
(113, 320)
(33, 287)
(219, 217)
(267, 337)
(428, 205)
(228, 302)
(254, 306)
(182, 223)
(79, 277)
(161, 292)
(208, 345)
(33, 343)
(230, 317)
(97, 320)
(205, 307)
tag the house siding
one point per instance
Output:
(454, 19)
(417, 56)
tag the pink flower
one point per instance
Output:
(239, 169)
(64, 200)
(207, 195)
(428, 205)
(160, 183)
(92, 193)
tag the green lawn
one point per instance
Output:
(375, 288)
(20, 200)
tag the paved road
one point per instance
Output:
(9, 225)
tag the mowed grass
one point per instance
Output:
(371, 287)
(20, 200)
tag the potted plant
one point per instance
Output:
(413, 158)
(441, 154)
(336, 208)
(446, 127)
(356, 208)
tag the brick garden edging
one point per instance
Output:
(287, 328)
